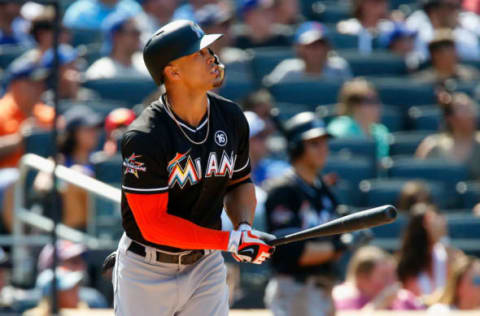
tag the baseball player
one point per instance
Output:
(304, 272)
(184, 159)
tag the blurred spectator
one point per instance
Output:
(69, 77)
(260, 102)
(263, 168)
(21, 108)
(71, 257)
(371, 284)
(314, 59)
(359, 109)
(423, 257)
(463, 287)
(370, 19)
(75, 147)
(399, 40)
(413, 192)
(471, 5)
(122, 45)
(68, 287)
(286, 11)
(460, 141)
(259, 29)
(13, 28)
(7, 292)
(115, 124)
(90, 14)
(440, 14)
(41, 30)
(445, 63)
(155, 14)
(187, 10)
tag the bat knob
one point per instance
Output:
(390, 212)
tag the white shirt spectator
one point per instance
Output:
(336, 68)
(106, 67)
(365, 36)
(466, 42)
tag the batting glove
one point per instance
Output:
(250, 246)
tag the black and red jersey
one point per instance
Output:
(192, 166)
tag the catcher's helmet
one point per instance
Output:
(303, 126)
(174, 40)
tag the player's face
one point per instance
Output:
(198, 71)
(316, 152)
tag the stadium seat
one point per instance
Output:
(404, 91)
(406, 142)
(378, 63)
(440, 170)
(464, 232)
(40, 142)
(354, 147)
(129, 91)
(265, 59)
(346, 193)
(325, 11)
(343, 41)
(348, 169)
(469, 193)
(425, 117)
(109, 170)
(237, 88)
(100, 106)
(287, 110)
(387, 191)
(393, 230)
(85, 36)
(8, 53)
(312, 92)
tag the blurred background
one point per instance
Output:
(396, 82)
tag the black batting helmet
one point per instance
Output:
(303, 126)
(176, 39)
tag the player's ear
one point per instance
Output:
(171, 72)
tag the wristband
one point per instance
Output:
(243, 226)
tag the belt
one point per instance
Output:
(182, 258)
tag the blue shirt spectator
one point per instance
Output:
(13, 28)
(90, 14)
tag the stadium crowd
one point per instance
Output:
(396, 84)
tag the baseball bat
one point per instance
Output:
(377, 216)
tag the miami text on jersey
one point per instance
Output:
(182, 170)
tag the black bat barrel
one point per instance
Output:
(360, 220)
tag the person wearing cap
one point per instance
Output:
(445, 63)
(21, 108)
(359, 114)
(69, 76)
(303, 272)
(258, 28)
(116, 123)
(435, 15)
(90, 14)
(155, 14)
(76, 144)
(185, 159)
(71, 257)
(68, 288)
(370, 19)
(122, 44)
(399, 39)
(313, 61)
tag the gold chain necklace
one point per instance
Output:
(170, 113)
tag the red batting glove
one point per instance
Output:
(250, 246)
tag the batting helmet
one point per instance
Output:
(303, 126)
(176, 39)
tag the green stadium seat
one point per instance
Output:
(8, 53)
(406, 142)
(378, 63)
(348, 169)
(469, 193)
(129, 91)
(311, 92)
(387, 191)
(265, 59)
(404, 91)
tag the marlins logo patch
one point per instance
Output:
(133, 166)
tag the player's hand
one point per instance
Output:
(250, 246)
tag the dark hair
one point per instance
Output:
(67, 142)
(414, 255)
(257, 97)
(413, 192)
(43, 22)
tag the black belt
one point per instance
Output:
(182, 258)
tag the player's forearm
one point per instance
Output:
(240, 204)
(316, 253)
